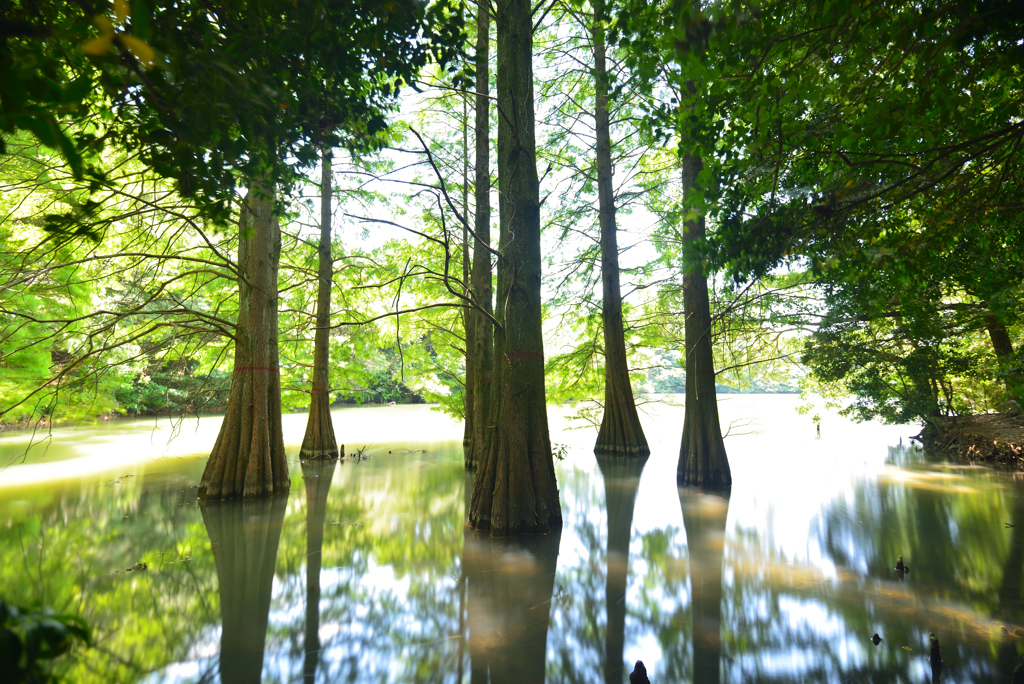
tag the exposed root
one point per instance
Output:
(995, 438)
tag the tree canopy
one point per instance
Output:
(211, 96)
(860, 183)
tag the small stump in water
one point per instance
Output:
(935, 656)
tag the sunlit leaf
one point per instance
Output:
(99, 46)
(140, 50)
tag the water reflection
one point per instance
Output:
(704, 517)
(510, 584)
(621, 482)
(367, 572)
(317, 475)
(245, 535)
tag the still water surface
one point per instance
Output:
(365, 571)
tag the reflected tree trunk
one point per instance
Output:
(318, 476)
(1010, 589)
(620, 431)
(483, 334)
(510, 585)
(247, 534)
(248, 459)
(515, 490)
(702, 458)
(705, 513)
(319, 441)
(473, 609)
(621, 481)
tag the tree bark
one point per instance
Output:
(317, 476)
(704, 516)
(621, 433)
(246, 536)
(702, 458)
(248, 459)
(515, 489)
(1003, 347)
(483, 355)
(468, 320)
(319, 441)
(621, 481)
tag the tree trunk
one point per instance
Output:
(515, 489)
(702, 458)
(704, 517)
(621, 433)
(245, 535)
(317, 476)
(319, 441)
(621, 481)
(468, 319)
(1003, 347)
(248, 459)
(483, 355)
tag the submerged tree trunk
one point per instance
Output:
(515, 489)
(704, 517)
(319, 441)
(245, 536)
(483, 354)
(318, 477)
(620, 432)
(248, 459)
(621, 481)
(702, 458)
(468, 315)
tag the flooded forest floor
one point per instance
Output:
(993, 438)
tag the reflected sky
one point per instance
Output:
(365, 571)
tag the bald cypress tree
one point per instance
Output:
(702, 458)
(621, 433)
(483, 334)
(319, 441)
(248, 459)
(515, 490)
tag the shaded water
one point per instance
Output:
(365, 571)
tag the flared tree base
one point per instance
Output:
(621, 433)
(514, 491)
(622, 450)
(702, 458)
(248, 460)
(319, 442)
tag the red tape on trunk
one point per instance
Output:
(522, 355)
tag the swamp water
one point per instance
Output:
(365, 571)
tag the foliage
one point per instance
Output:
(214, 97)
(831, 149)
(900, 235)
(81, 320)
(77, 545)
(31, 638)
